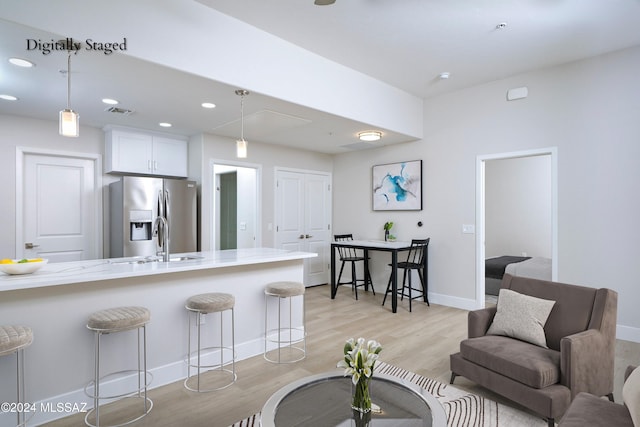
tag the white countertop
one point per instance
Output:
(64, 273)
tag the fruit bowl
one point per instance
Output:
(16, 267)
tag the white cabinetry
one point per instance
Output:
(146, 154)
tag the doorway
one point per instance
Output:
(236, 207)
(58, 205)
(481, 211)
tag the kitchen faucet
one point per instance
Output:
(161, 228)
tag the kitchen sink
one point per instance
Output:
(147, 260)
(185, 258)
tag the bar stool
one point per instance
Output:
(112, 320)
(197, 306)
(285, 335)
(14, 339)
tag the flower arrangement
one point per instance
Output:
(359, 361)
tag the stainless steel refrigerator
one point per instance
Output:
(136, 202)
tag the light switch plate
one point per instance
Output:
(468, 228)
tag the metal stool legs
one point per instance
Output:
(284, 336)
(141, 391)
(220, 367)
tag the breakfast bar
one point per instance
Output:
(56, 300)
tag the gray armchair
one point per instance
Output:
(580, 334)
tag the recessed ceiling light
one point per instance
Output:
(208, 105)
(21, 62)
(501, 26)
(8, 97)
(445, 75)
(110, 101)
(370, 135)
(165, 124)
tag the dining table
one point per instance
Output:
(392, 246)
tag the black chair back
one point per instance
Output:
(345, 252)
(417, 252)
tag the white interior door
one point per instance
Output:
(60, 208)
(290, 227)
(303, 220)
(317, 209)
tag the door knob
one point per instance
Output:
(30, 246)
(301, 236)
(308, 236)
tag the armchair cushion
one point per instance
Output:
(528, 364)
(631, 396)
(521, 316)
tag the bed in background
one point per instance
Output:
(495, 269)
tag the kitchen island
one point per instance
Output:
(56, 300)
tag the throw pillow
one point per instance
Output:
(631, 396)
(521, 316)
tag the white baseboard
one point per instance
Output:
(77, 401)
(455, 302)
(628, 333)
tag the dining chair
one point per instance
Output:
(414, 261)
(352, 255)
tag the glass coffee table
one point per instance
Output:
(324, 400)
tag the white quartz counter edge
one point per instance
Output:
(64, 273)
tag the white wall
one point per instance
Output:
(589, 110)
(518, 207)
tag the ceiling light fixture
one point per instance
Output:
(165, 124)
(208, 105)
(370, 135)
(110, 101)
(69, 122)
(324, 2)
(241, 144)
(21, 62)
(8, 97)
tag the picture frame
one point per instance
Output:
(397, 186)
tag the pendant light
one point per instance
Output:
(69, 122)
(241, 144)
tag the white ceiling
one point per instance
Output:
(405, 43)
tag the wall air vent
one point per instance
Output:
(117, 110)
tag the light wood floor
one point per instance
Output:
(420, 341)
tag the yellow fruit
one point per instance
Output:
(6, 261)
(36, 260)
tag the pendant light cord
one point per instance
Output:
(69, 81)
(242, 117)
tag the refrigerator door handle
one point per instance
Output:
(167, 204)
(160, 230)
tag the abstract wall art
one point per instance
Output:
(397, 186)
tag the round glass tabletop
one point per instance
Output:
(325, 400)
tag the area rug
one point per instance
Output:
(463, 409)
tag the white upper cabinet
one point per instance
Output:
(145, 154)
